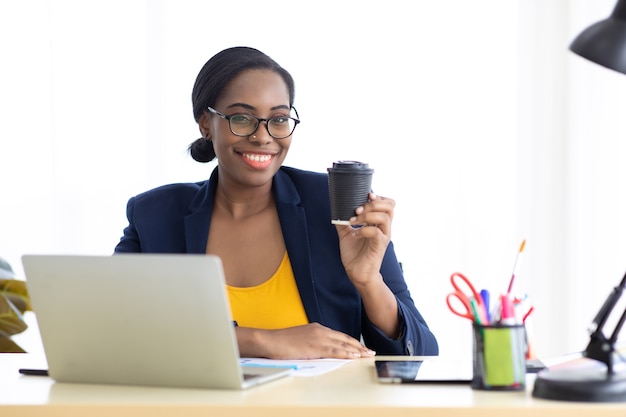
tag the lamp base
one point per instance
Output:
(583, 380)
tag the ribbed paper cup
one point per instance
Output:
(349, 184)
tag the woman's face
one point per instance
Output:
(249, 161)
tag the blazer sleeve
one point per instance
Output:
(415, 337)
(130, 239)
(157, 220)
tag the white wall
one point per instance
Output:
(476, 118)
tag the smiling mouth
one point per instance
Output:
(259, 161)
(257, 158)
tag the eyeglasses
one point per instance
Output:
(244, 124)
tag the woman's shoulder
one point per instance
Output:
(178, 191)
(301, 175)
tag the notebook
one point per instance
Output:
(138, 319)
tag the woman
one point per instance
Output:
(298, 286)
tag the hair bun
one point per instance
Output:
(202, 150)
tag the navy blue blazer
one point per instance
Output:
(176, 218)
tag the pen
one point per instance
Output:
(484, 294)
(35, 372)
(271, 365)
(475, 312)
(530, 310)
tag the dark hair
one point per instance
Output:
(215, 76)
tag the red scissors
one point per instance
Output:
(473, 303)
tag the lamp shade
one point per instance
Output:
(604, 42)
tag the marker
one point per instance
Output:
(484, 294)
(507, 314)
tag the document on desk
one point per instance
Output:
(309, 367)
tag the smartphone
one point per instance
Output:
(435, 370)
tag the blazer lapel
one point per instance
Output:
(197, 231)
(295, 232)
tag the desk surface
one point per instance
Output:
(351, 390)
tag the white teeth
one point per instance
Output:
(257, 158)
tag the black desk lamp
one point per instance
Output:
(603, 378)
(604, 42)
(598, 380)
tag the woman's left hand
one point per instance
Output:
(363, 244)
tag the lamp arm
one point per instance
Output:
(600, 348)
(618, 328)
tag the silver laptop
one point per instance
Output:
(138, 319)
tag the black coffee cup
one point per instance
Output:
(349, 185)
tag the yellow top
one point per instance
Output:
(274, 304)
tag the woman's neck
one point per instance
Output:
(240, 203)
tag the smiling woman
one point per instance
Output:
(299, 287)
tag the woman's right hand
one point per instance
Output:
(310, 341)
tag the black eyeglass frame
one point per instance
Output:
(258, 122)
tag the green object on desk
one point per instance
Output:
(500, 356)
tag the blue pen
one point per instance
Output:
(271, 365)
(484, 294)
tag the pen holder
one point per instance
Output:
(499, 356)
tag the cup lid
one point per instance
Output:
(350, 166)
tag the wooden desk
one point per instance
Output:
(350, 391)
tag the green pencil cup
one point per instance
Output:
(499, 357)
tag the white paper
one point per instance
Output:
(310, 367)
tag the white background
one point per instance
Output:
(478, 121)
